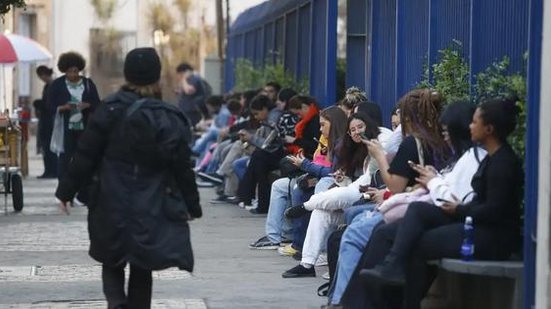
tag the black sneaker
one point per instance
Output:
(256, 211)
(233, 200)
(212, 177)
(286, 241)
(264, 243)
(295, 212)
(299, 271)
(203, 184)
(384, 274)
(221, 199)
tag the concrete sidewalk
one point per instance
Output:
(44, 261)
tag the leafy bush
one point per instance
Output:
(497, 82)
(450, 75)
(248, 77)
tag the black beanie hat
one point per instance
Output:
(142, 66)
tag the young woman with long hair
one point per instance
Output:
(332, 128)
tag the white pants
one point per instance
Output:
(322, 224)
(338, 198)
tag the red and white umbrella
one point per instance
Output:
(16, 48)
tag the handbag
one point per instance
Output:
(307, 182)
(288, 169)
(58, 135)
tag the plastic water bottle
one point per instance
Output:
(467, 248)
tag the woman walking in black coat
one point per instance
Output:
(136, 150)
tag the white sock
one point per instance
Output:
(306, 265)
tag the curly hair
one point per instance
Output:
(70, 59)
(419, 116)
(353, 97)
(352, 154)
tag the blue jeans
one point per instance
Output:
(353, 243)
(351, 212)
(277, 226)
(240, 166)
(201, 145)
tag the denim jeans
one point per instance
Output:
(351, 212)
(240, 167)
(201, 145)
(353, 243)
(277, 225)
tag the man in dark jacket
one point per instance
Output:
(45, 124)
(136, 149)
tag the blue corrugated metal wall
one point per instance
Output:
(382, 80)
(300, 33)
(392, 40)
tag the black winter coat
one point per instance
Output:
(139, 209)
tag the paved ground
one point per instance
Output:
(44, 261)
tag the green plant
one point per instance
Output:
(497, 82)
(341, 78)
(451, 74)
(247, 76)
(5, 5)
(450, 77)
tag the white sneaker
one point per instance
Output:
(322, 260)
(326, 276)
(249, 207)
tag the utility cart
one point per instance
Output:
(10, 171)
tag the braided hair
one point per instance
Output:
(419, 116)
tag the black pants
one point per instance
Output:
(260, 165)
(71, 138)
(49, 158)
(428, 233)
(139, 287)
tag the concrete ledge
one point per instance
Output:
(461, 282)
(504, 269)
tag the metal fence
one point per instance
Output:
(390, 42)
(302, 34)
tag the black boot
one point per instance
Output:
(390, 272)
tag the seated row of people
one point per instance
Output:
(375, 192)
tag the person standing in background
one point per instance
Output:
(75, 97)
(45, 124)
(192, 94)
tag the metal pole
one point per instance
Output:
(227, 18)
(220, 28)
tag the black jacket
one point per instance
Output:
(306, 142)
(139, 208)
(59, 95)
(498, 185)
